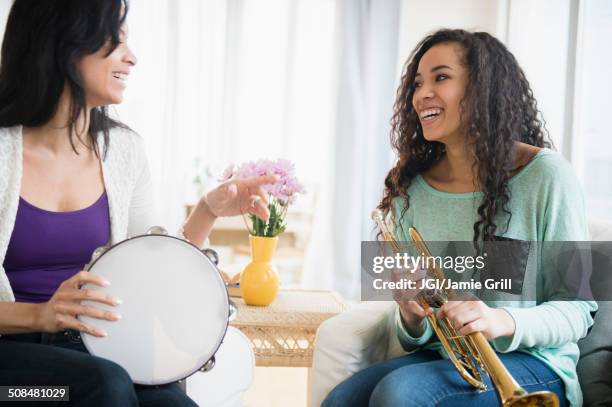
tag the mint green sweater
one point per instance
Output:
(547, 204)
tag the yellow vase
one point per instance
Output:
(259, 280)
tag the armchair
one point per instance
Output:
(366, 334)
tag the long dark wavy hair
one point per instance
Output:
(498, 110)
(43, 42)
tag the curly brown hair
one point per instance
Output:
(498, 109)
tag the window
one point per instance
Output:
(592, 135)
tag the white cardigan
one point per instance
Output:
(127, 181)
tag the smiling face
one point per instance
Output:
(439, 87)
(104, 76)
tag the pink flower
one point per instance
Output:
(284, 190)
(283, 168)
(228, 173)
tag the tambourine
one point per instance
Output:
(175, 308)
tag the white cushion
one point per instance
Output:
(600, 230)
(348, 343)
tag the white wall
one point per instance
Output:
(420, 18)
(5, 7)
(536, 32)
(538, 36)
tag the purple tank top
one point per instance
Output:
(47, 247)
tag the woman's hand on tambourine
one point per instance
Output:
(61, 311)
(236, 197)
(476, 316)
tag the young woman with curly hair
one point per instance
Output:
(475, 165)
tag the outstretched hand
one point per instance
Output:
(237, 197)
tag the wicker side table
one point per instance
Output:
(283, 333)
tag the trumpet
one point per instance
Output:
(470, 354)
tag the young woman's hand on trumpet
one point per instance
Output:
(411, 311)
(476, 316)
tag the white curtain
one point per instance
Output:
(563, 46)
(368, 34)
(308, 80)
(235, 80)
(230, 81)
(591, 135)
(314, 81)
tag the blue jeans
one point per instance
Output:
(61, 360)
(425, 379)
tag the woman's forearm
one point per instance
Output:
(199, 223)
(413, 325)
(552, 323)
(17, 317)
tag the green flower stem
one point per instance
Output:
(276, 222)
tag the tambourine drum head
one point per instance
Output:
(174, 312)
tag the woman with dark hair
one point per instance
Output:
(474, 164)
(73, 179)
